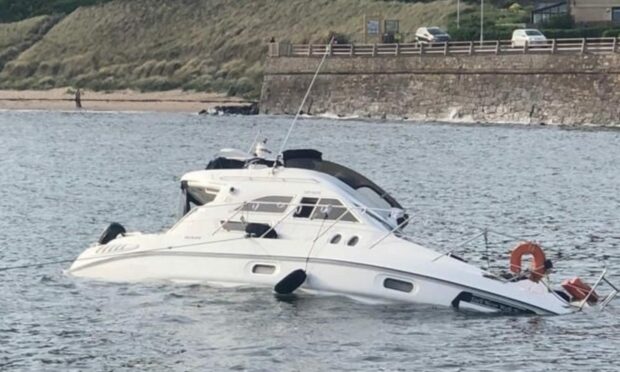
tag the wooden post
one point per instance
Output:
(615, 45)
(397, 50)
(352, 50)
(445, 48)
(497, 47)
(374, 50)
(421, 48)
(583, 45)
(471, 48)
(554, 46)
(309, 50)
(330, 48)
(526, 47)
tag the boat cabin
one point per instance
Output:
(319, 190)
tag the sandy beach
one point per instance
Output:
(126, 100)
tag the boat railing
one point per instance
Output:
(255, 204)
(239, 209)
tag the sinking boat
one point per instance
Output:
(300, 222)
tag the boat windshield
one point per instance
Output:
(195, 195)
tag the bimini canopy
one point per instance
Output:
(313, 160)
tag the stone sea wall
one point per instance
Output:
(570, 89)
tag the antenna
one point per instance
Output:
(303, 102)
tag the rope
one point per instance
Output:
(44, 263)
(303, 101)
(314, 243)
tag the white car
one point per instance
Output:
(529, 36)
(427, 35)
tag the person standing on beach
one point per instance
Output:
(78, 99)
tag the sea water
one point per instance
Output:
(65, 176)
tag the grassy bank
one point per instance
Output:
(19, 36)
(205, 45)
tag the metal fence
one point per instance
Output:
(552, 46)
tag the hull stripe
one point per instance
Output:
(103, 261)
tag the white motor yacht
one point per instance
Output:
(299, 222)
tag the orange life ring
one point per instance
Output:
(538, 268)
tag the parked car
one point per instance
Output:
(529, 36)
(427, 35)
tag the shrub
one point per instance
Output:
(156, 83)
(611, 33)
(564, 21)
(45, 83)
(578, 33)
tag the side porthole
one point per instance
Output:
(398, 285)
(353, 241)
(336, 239)
(264, 269)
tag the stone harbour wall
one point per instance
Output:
(568, 89)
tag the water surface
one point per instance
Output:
(65, 176)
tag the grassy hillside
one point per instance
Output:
(210, 45)
(17, 10)
(19, 36)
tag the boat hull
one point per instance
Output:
(238, 264)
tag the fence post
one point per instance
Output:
(397, 51)
(553, 46)
(309, 50)
(471, 48)
(421, 48)
(352, 50)
(374, 50)
(331, 49)
(288, 49)
(445, 48)
(526, 47)
(497, 47)
(615, 45)
(583, 45)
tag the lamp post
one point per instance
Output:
(481, 22)
(458, 14)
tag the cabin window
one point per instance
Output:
(233, 225)
(398, 285)
(353, 241)
(263, 269)
(268, 204)
(304, 210)
(332, 209)
(336, 239)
